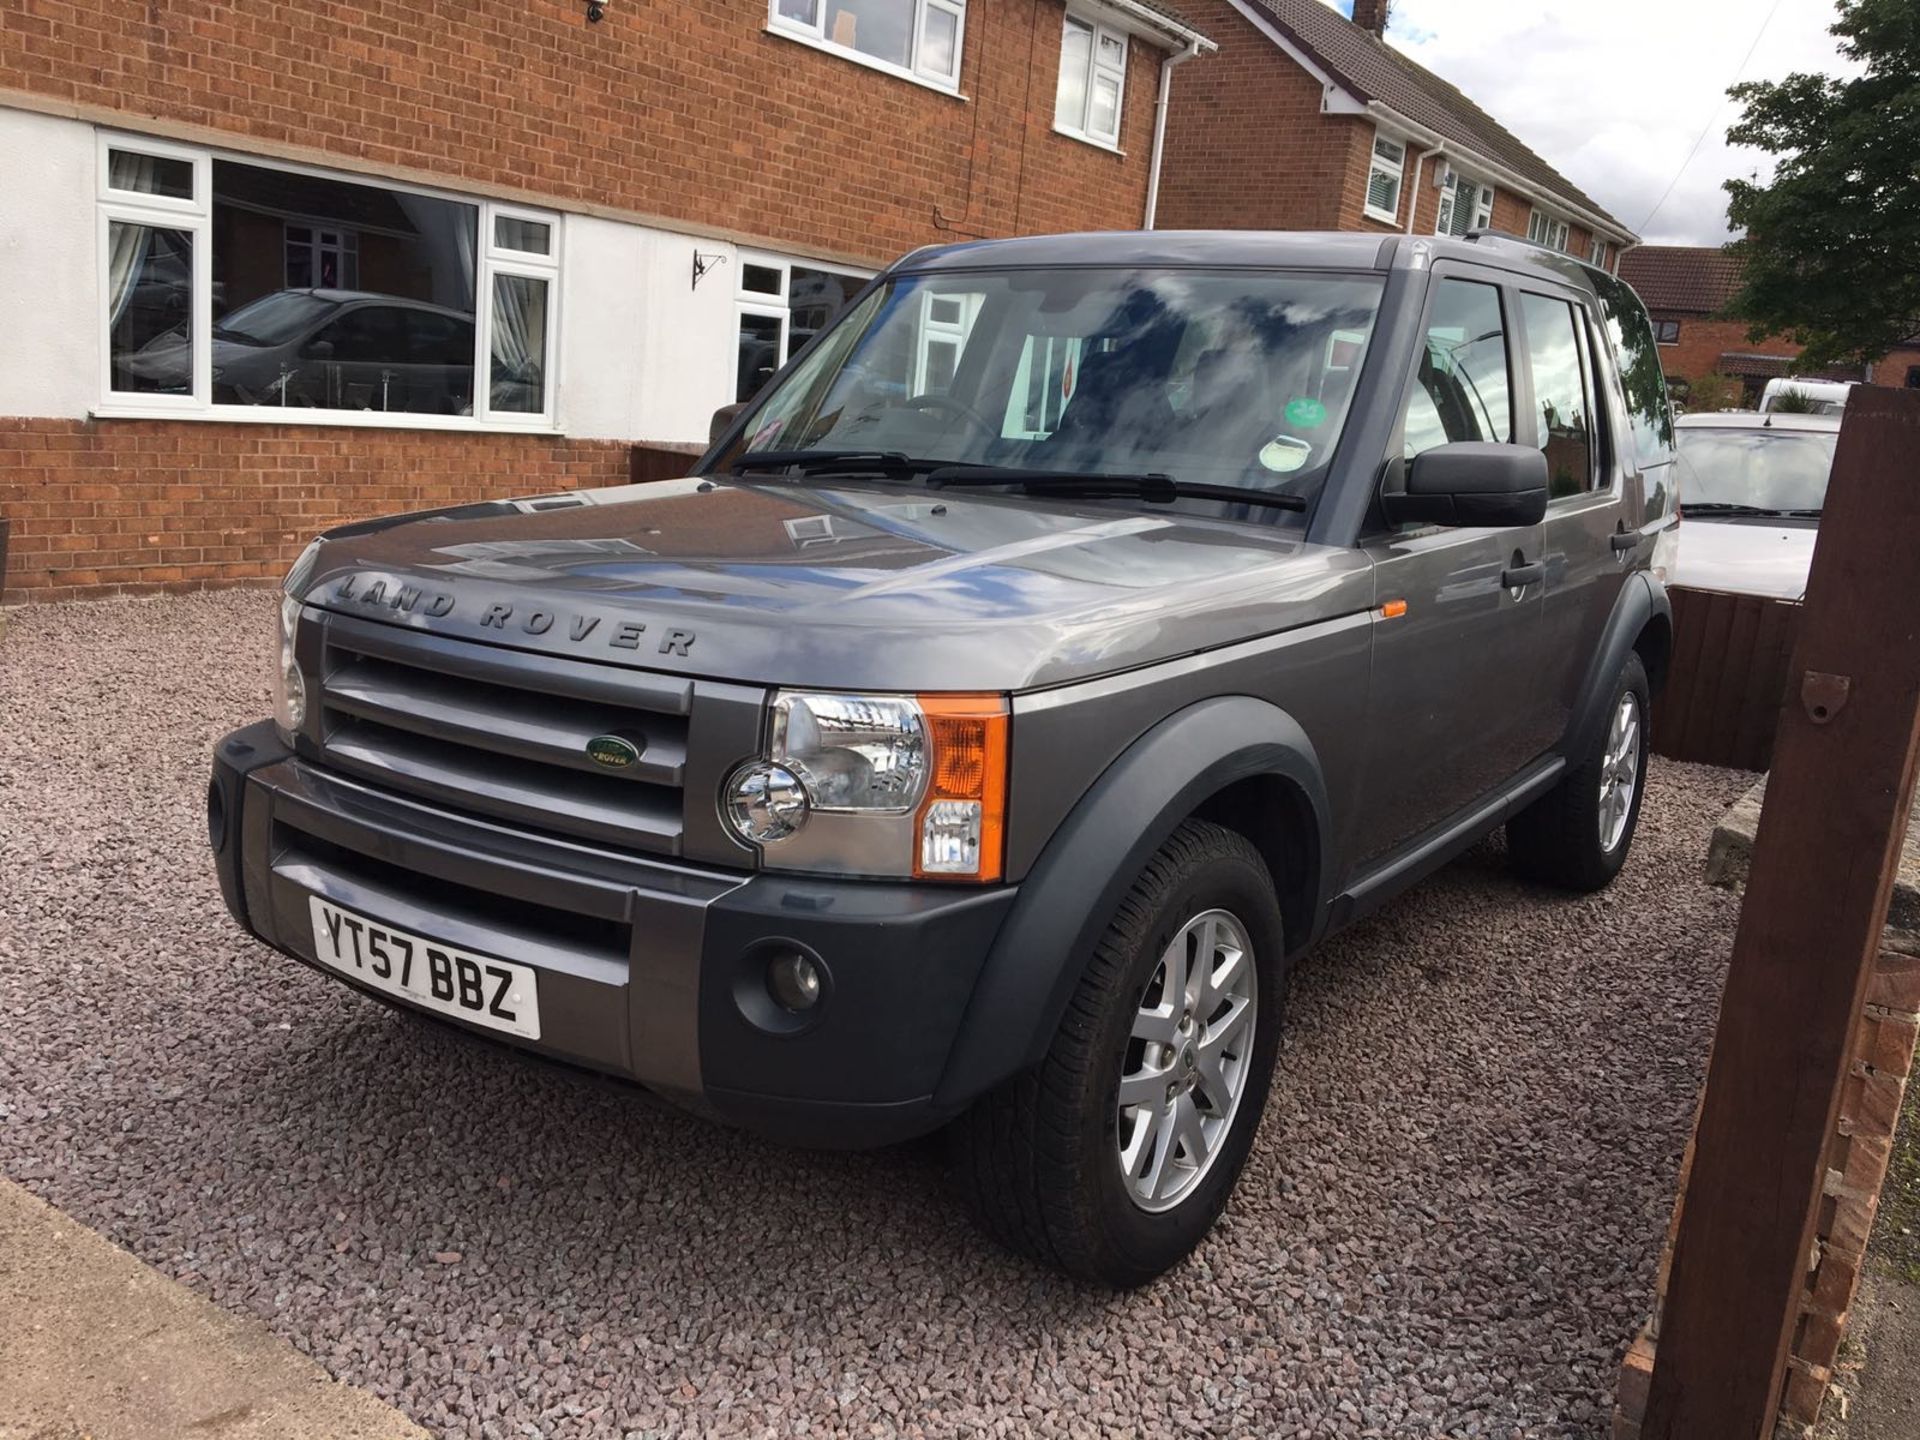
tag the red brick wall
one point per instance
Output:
(685, 110)
(1703, 341)
(111, 507)
(1247, 147)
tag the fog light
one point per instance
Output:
(766, 802)
(793, 981)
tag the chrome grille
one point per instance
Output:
(502, 733)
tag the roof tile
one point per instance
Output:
(1694, 279)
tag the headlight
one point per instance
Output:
(877, 785)
(289, 685)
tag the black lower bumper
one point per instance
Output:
(651, 970)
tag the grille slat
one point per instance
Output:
(499, 733)
(503, 720)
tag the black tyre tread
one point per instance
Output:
(1552, 842)
(1014, 1146)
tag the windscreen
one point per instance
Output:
(1239, 378)
(1777, 471)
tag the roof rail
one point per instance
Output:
(1522, 242)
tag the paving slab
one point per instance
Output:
(95, 1345)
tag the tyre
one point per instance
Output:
(1577, 835)
(1114, 1157)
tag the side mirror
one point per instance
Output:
(722, 418)
(321, 350)
(1473, 482)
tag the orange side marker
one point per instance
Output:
(1393, 609)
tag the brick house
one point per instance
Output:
(1686, 289)
(1305, 120)
(290, 265)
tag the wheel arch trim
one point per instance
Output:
(1096, 853)
(1642, 611)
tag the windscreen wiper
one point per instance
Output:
(813, 462)
(1720, 508)
(1153, 487)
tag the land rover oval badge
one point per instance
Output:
(612, 752)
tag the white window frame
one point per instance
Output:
(815, 35)
(1096, 32)
(1597, 252)
(1396, 170)
(1546, 228)
(196, 217)
(1483, 193)
(769, 306)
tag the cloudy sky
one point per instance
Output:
(1615, 94)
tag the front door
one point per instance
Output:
(1457, 706)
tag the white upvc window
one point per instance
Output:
(237, 289)
(1093, 81)
(780, 305)
(1548, 230)
(1385, 173)
(1597, 252)
(917, 40)
(1466, 205)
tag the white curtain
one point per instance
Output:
(128, 244)
(519, 327)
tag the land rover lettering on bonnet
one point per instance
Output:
(1076, 631)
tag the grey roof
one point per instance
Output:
(1370, 69)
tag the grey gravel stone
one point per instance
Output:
(1449, 1224)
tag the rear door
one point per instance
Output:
(1571, 382)
(1455, 707)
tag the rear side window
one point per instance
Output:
(1562, 392)
(1642, 378)
(1461, 391)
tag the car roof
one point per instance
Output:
(1754, 420)
(1262, 249)
(357, 297)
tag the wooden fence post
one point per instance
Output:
(1823, 866)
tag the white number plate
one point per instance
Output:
(476, 988)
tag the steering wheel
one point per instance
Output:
(959, 409)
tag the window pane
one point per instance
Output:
(518, 381)
(1070, 101)
(1103, 117)
(805, 12)
(1383, 192)
(880, 28)
(319, 286)
(150, 174)
(531, 237)
(760, 279)
(1113, 51)
(1641, 374)
(814, 298)
(940, 42)
(150, 309)
(1393, 154)
(759, 354)
(1462, 392)
(1560, 394)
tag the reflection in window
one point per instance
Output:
(1385, 172)
(1562, 393)
(1642, 377)
(915, 36)
(515, 232)
(781, 308)
(150, 309)
(1093, 73)
(1462, 390)
(759, 354)
(167, 176)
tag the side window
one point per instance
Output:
(370, 334)
(1643, 377)
(1562, 393)
(1042, 385)
(1462, 390)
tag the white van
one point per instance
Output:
(1829, 396)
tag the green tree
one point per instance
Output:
(1832, 245)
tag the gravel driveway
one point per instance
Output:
(1449, 1224)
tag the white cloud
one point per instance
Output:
(1613, 95)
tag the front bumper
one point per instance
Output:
(648, 969)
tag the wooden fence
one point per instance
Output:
(1729, 673)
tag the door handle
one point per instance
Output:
(1518, 577)
(1624, 541)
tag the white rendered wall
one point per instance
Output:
(51, 337)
